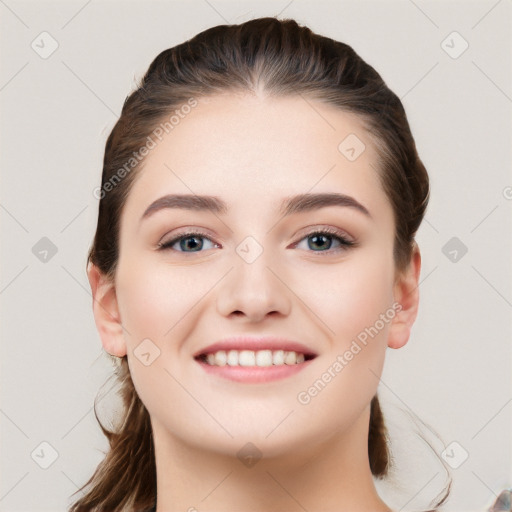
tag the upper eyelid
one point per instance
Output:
(186, 234)
(326, 229)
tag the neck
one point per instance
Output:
(331, 475)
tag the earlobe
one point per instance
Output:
(406, 293)
(106, 312)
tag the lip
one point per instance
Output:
(256, 343)
(254, 374)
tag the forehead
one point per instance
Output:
(261, 149)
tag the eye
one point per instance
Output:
(185, 241)
(323, 239)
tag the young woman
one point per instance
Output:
(253, 260)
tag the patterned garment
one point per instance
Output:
(503, 503)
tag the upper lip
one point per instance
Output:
(256, 343)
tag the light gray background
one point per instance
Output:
(56, 113)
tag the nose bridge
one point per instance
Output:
(251, 287)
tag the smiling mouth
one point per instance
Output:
(259, 358)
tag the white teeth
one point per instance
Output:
(254, 358)
(232, 359)
(290, 358)
(246, 358)
(264, 358)
(278, 357)
(221, 358)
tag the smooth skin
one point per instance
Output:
(252, 152)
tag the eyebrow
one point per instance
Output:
(290, 205)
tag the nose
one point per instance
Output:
(254, 290)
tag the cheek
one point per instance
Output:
(156, 303)
(153, 298)
(352, 304)
(352, 297)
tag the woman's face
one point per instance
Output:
(257, 269)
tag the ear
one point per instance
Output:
(106, 312)
(406, 293)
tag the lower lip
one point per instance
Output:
(253, 374)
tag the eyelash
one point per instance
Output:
(334, 233)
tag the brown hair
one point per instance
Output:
(282, 58)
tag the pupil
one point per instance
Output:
(315, 240)
(194, 245)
